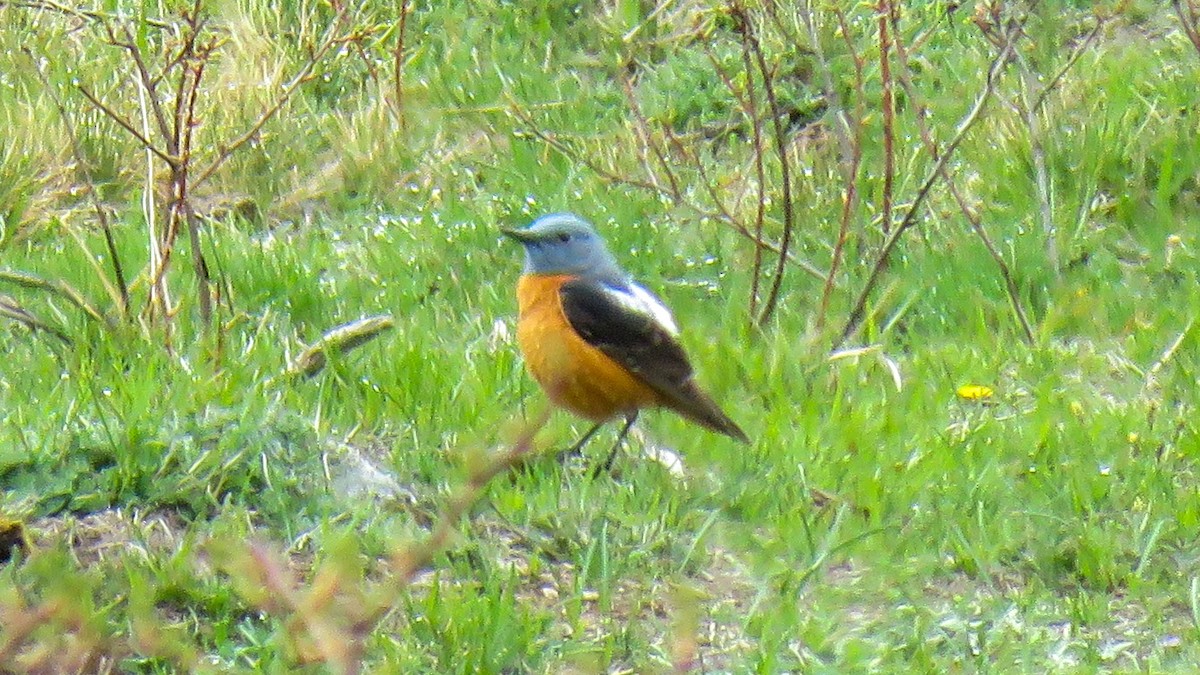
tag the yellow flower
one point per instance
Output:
(1173, 242)
(1076, 408)
(974, 392)
(1133, 437)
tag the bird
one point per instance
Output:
(600, 345)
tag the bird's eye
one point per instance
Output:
(564, 237)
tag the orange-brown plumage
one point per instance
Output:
(574, 374)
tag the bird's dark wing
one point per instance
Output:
(621, 324)
(613, 321)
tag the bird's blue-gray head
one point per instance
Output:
(564, 243)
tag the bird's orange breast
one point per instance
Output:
(574, 374)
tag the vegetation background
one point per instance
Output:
(939, 259)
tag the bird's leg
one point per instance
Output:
(575, 449)
(612, 454)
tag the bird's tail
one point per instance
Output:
(693, 403)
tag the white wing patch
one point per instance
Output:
(643, 302)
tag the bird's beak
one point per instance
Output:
(522, 236)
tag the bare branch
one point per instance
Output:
(11, 309)
(18, 628)
(121, 297)
(135, 55)
(1041, 176)
(75, 12)
(407, 562)
(57, 287)
(747, 99)
(910, 218)
(645, 132)
(1076, 53)
(1187, 13)
(398, 64)
(1010, 284)
(226, 150)
(1028, 109)
(853, 135)
(116, 117)
(185, 130)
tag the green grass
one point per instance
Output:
(869, 527)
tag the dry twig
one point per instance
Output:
(851, 135)
(1189, 19)
(1010, 284)
(887, 16)
(398, 64)
(120, 294)
(338, 340)
(745, 28)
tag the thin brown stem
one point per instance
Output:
(828, 91)
(398, 65)
(408, 562)
(1029, 107)
(11, 309)
(850, 163)
(135, 55)
(746, 30)
(18, 628)
(711, 186)
(125, 124)
(58, 287)
(884, 11)
(1034, 127)
(82, 14)
(199, 266)
(748, 101)
(1187, 13)
(335, 650)
(1076, 54)
(849, 201)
